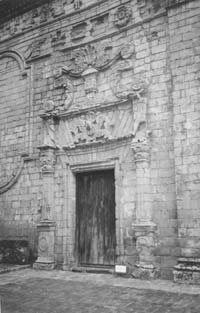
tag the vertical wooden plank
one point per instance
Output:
(95, 208)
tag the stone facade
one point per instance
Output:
(96, 85)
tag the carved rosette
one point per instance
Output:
(122, 16)
(47, 159)
(141, 148)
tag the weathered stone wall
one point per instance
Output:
(130, 69)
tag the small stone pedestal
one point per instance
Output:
(187, 271)
(46, 243)
(145, 233)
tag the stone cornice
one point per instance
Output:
(13, 8)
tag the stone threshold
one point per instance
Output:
(6, 268)
(93, 269)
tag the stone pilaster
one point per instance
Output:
(46, 228)
(144, 228)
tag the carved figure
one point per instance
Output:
(91, 128)
(47, 161)
(61, 81)
(49, 133)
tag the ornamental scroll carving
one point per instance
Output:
(9, 181)
(124, 83)
(91, 128)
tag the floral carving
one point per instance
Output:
(122, 16)
(96, 56)
(91, 128)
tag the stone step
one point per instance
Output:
(93, 269)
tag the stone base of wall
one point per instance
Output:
(187, 271)
(44, 264)
(145, 272)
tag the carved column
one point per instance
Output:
(46, 228)
(145, 229)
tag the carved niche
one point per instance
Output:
(122, 16)
(91, 128)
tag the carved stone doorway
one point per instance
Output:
(95, 218)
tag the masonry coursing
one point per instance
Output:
(162, 56)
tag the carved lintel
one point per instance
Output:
(91, 128)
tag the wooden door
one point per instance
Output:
(95, 218)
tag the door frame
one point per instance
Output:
(98, 166)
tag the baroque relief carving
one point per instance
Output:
(97, 56)
(131, 85)
(91, 128)
(122, 16)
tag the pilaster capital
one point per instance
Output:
(47, 159)
(141, 148)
